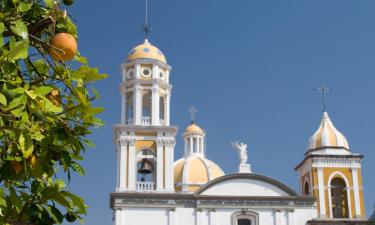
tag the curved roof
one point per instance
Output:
(195, 171)
(146, 51)
(193, 128)
(247, 176)
(327, 136)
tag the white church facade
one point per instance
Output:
(154, 188)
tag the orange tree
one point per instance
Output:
(46, 112)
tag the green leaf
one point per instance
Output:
(3, 99)
(78, 202)
(26, 145)
(54, 213)
(24, 7)
(48, 106)
(41, 91)
(19, 28)
(19, 50)
(31, 94)
(78, 168)
(49, 3)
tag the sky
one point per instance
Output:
(249, 67)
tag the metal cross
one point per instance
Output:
(324, 89)
(146, 28)
(193, 111)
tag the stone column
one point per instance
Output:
(357, 203)
(198, 217)
(137, 107)
(122, 167)
(322, 203)
(132, 174)
(291, 218)
(191, 145)
(155, 105)
(169, 160)
(212, 218)
(172, 217)
(160, 164)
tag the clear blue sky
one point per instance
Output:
(249, 66)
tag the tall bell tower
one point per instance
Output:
(144, 139)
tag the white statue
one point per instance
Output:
(242, 151)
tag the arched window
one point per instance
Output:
(306, 188)
(129, 108)
(146, 107)
(339, 198)
(245, 218)
(146, 170)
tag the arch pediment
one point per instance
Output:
(246, 185)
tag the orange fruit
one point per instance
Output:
(17, 166)
(64, 47)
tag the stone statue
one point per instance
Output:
(242, 151)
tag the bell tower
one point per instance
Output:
(144, 139)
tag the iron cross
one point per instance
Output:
(324, 89)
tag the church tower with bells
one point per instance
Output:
(332, 173)
(145, 140)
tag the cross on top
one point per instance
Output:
(146, 28)
(193, 111)
(324, 89)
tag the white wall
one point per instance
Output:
(190, 216)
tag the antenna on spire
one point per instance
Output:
(324, 89)
(193, 111)
(146, 27)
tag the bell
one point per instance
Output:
(145, 168)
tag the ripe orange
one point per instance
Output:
(17, 166)
(66, 43)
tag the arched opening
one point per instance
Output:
(146, 170)
(129, 112)
(146, 107)
(161, 110)
(339, 198)
(306, 188)
(245, 218)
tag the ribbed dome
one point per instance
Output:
(327, 136)
(194, 171)
(146, 51)
(194, 129)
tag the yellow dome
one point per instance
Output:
(146, 51)
(195, 171)
(194, 129)
(327, 136)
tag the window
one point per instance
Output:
(245, 218)
(244, 222)
(339, 198)
(306, 188)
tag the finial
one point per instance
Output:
(324, 89)
(193, 111)
(146, 27)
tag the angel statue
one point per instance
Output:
(242, 151)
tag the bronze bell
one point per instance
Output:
(145, 168)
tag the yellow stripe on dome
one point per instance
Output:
(146, 51)
(198, 172)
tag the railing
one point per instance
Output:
(146, 121)
(145, 186)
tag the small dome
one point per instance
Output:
(146, 51)
(327, 136)
(194, 171)
(194, 129)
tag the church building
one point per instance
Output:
(155, 188)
